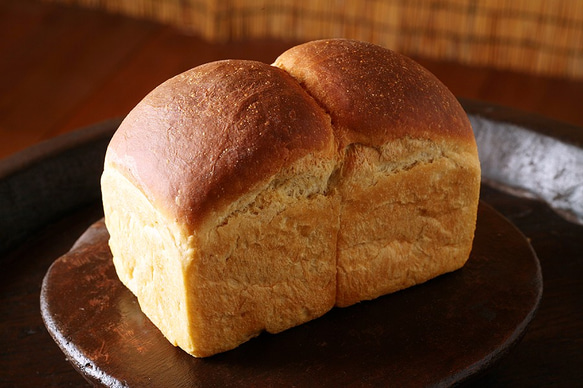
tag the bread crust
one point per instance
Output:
(405, 144)
(272, 193)
(209, 135)
(374, 95)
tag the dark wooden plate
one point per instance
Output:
(438, 333)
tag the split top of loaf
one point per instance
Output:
(242, 197)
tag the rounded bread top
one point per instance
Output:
(208, 135)
(205, 137)
(374, 94)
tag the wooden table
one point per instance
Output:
(64, 68)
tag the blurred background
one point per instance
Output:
(534, 36)
(65, 64)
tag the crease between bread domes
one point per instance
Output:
(385, 169)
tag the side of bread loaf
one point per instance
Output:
(242, 197)
(410, 173)
(215, 196)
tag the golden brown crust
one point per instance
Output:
(207, 136)
(409, 176)
(373, 94)
(243, 197)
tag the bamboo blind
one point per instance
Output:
(534, 36)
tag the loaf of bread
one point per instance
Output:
(242, 197)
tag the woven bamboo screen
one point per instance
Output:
(534, 36)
